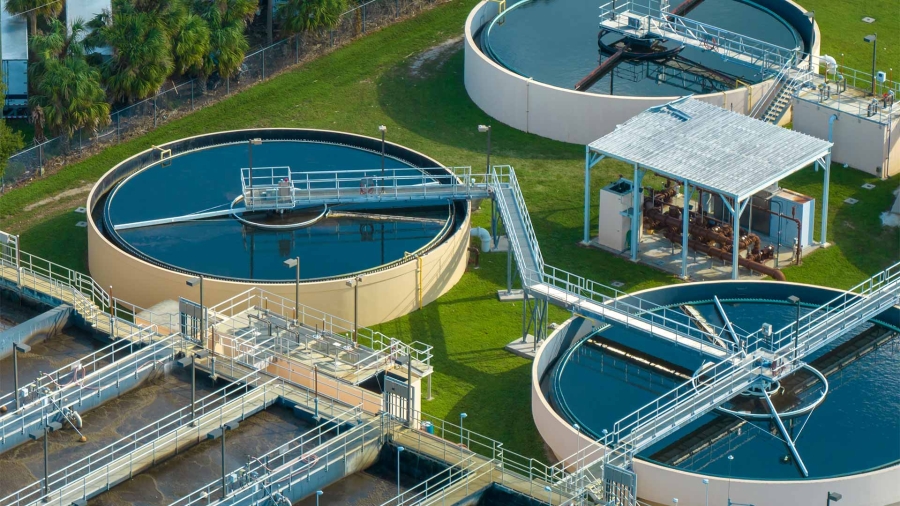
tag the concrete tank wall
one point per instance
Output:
(858, 142)
(661, 484)
(384, 293)
(568, 115)
(40, 328)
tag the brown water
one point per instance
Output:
(104, 425)
(201, 464)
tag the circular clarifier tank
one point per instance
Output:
(556, 42)
(180, 209)
(842, 409)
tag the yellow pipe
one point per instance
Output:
(749, 94)
(419, 268)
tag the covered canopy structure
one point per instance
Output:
(704, 146)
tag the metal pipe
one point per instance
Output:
(787, 438)
(675, 236)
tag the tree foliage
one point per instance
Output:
(34, 10)
(226, 20)
(141, 57)
(297, 16)
(10, 140)
(67, 88)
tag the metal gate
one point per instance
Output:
(619, 486)
(191, 319)
(397, 396)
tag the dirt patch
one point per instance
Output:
(59, 196)
(438, 53)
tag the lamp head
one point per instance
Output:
(463, 415)
(319, 492)
(400, 449)
(483, 128)
(794, 299)
(256, 142)
(810, 14)
(291, 262)
(547, 488)
(193, 281)
(382, 128)
(22, 347)
(871, 38)
(834, 496)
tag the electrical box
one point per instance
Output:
(795, 205)
(615, 218)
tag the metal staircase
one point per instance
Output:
(788, 83)
(605, 471)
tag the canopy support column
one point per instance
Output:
(636, 205)
(736, 210)
(826, 165)
(685, 224)
(590, 159)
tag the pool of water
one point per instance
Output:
(856, 428)
(208, 180)
(555, 42)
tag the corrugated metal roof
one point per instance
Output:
(712, 147)
(13, 35)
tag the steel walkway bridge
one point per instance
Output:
(761, 358)
(648, 19)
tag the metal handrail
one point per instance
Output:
(385, 347)
(95, 381)
(127, 444)
(268, 463)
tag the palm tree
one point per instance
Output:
(10, 140)
(34, 9)
(67, 88)
(226, 20)
(141, 60)
(190, 38)
(297, 16)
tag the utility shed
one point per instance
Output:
(14, 62)
(703, 146)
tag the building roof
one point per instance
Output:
(13, 35)
(711, 147)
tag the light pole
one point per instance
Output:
(383, 130)
(355, 284)
(295, 262)
(250, 143)
(706, 483)
(812, 31)
(24, 348)
(462, 416)
(318, 493)
(577, 457)
(833, 496)
(191, 360)
(399, 451)
(730, 461)
(675, 501)
(220, 433)
(42, 433)
(549, 494)
(872, 39)
(487, 129)
(796, 300)
(198, 281)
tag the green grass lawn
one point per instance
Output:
(843, 29)
(369, 83)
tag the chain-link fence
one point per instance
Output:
(175, 101)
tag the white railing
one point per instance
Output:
(78, 469)
(846, 311)
(225, 318)
(635, 309)
(89, 299)
(390, 184)
(104, 377)
(646, 16)
(299, 454)
(67, 374)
